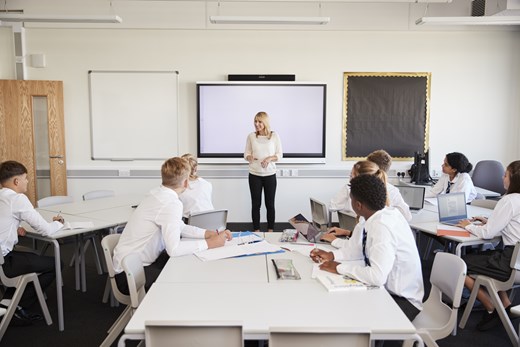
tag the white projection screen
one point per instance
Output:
(226, 111)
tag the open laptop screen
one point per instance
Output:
(452, 207)
(413, 196)
(304, 227)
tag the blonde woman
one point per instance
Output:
(198, 195)
(263, 149)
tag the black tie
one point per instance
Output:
(367, 262)
(449, 187)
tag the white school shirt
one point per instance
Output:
(394, 259)
(197, 197)
(260, 148)
(16, 208)
(461, 183)
(351, 248)
(156, 225)
(504, 220)
(342, 201)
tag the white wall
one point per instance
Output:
(474, 92)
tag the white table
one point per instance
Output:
(103, 213)
(427, 220)
(192, 290)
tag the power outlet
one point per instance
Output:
(294, 172)
(286, 172)
(124, 173)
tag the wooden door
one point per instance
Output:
(17, 130)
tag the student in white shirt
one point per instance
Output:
(504, 221)
(263, 149)
(16, 208)
(155, 229)
(342, 200)
(455, 178)
(387, 247)
(197, 197)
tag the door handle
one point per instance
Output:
(56, 156)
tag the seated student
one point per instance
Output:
(198, 195)
(384, 161)
(342, 200)
(387, 247)
(504, 221)
(16, 208)
(455, 178)
(155, 228)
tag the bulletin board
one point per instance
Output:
(389, 111)
(133, 115)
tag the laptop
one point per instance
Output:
(413, 196)
(307, 229)
(452, 208)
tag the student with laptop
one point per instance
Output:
(505, 221)
(455, 178)
(387, 246)
(155, 229)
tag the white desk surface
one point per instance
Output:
(263, 305)
(81, 207)
(114, 216)
(246, 289)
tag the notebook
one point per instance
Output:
(306, 229)
(452, 208)
(413, 196)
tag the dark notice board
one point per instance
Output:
(387, 111)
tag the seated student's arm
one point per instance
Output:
(381, 256)
(497, 221)
(351, 249)
(27, 213)
(437, 188)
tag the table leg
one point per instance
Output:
(83, 272)
(59, 284)
(77, 262)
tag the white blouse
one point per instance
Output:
(260, 148)
(197, 197)
(461, 183)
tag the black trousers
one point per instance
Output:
(407, 307)
(151, 273)
(21, 263)
(268, 184)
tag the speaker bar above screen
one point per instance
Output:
(261, 77)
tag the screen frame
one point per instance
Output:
(288, 157)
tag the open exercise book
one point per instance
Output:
(336, 282)
(242, 244)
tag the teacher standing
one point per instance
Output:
(263, 149)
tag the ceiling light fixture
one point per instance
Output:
(268, 20)
(15, 17)
(484, 20)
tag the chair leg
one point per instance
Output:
(469, 304)
(503, 316)
(121, 323)
(97, 258)
(41, 299)
(11, 309)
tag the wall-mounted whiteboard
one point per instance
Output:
(134, 114)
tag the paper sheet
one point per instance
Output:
(235, 250)
(77, 225)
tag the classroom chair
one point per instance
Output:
(210, 220)
(194, 334)
(486, 203)
(20, 282)
(98, 194)
(488, 174)
(54, 200)
(493, 286)
(308, 337)
(437, 318)
(320, 214)
(515, 310)
(108, 243)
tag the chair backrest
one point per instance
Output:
(485, 203)
(488, 174)
(346, 221)
(291, 337)
(54, 200)
(210, 220)
(448, 274)
(320, 213)
(108, 243)
(6, 281)
(133, 267)
(200, 334)
(98, 194)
